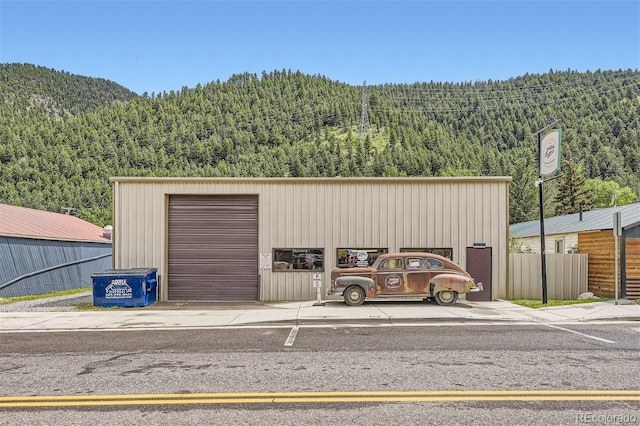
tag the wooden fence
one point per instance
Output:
(633, 268)
(567, 276)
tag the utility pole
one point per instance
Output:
(68, 211)
(364, 117)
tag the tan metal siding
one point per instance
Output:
(326, 213)
(139, 236)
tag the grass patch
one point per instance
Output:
(378, 136)
(8, 300)
(535, 304)
(88, 306)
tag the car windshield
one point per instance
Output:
(376, 263)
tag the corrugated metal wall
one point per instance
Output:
(567, 276)
(327, 213)
(23, 256)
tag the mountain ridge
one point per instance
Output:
(63, 136)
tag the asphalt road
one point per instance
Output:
(465, 374)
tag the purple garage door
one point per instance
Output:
(213, 248)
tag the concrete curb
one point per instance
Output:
(48, 315)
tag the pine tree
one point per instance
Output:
(522, 191)
(573, 193)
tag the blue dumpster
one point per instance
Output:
(125, 287)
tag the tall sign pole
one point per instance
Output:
(543, 249)
(549, 155)
(617, 232)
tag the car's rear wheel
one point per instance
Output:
(354, 296)
(446, 297)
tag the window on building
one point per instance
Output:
(445, 252)
(559, 246)
(358, 257)
(298, 259)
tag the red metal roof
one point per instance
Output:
(25, 222)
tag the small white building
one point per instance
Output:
(591, 233)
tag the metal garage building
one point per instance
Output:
(42, 252)
(263, 239)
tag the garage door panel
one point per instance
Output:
(205, 238)
(215, 288)
(238, 245)
(213, 248)
(200, 280)
(219, 249)
(206, 228)
(230, 270)
(196, 257)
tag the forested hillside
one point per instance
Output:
(62, 136)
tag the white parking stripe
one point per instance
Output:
(580, 334)
(292, 336)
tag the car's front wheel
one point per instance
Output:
(354, 296)
(446, 297)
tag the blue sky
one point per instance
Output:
(154, 46)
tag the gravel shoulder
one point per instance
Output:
(49, 304)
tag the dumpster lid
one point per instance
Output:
(130, 271)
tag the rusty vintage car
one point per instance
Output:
(412, 275)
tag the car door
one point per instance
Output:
(417, 275)
(436, 267)
(390, 276)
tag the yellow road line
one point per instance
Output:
(340, 393)
(318, 397)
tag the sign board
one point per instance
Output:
(118, 289)
(550, 152)
(317, 280)
(265, 260)
(363, 259)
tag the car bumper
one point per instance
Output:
(477, 288)
(335, 292)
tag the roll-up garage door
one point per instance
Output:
(213, 247)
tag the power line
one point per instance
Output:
(364, 117)
(516, 98)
